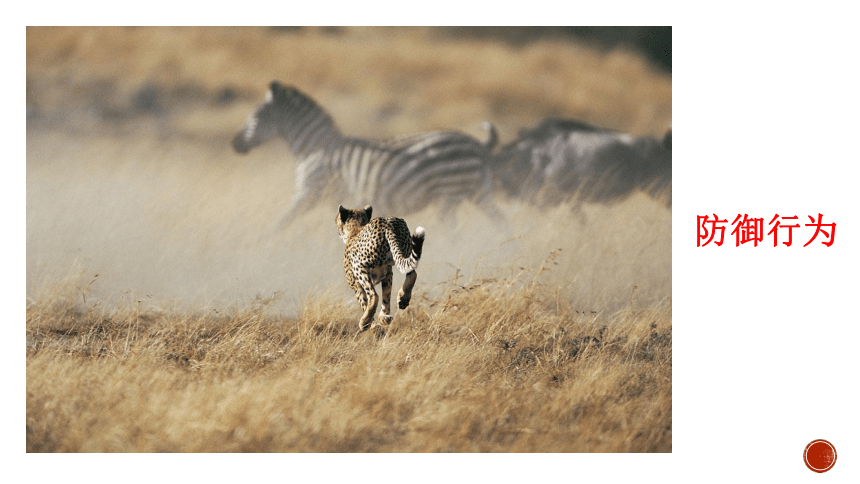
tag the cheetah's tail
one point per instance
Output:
(418, 242)
(408, 264)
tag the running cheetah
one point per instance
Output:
(373, 247)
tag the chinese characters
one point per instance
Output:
(751, 230)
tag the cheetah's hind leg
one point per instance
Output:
(385, 312)
(405, 294)
(365, 279)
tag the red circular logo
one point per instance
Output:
(819, 455)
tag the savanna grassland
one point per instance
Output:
(165, 314)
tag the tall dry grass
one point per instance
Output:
(505, 365)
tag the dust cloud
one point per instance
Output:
(179, 224)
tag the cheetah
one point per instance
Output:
(373, 247)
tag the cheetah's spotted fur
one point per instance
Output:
(373, 248)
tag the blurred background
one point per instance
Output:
(134, 193)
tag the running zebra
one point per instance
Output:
(401, 174)
(559, 160)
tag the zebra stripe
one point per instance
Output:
(559, 160)
(400, 174)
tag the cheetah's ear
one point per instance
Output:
(344, 213)
(368, 210)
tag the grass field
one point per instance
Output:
(487, 367)
(163, 314)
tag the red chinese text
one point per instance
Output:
(748, 229)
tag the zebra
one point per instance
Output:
(402, 174)
(561, 159)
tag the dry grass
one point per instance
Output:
(205, 331)
(490, 366)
